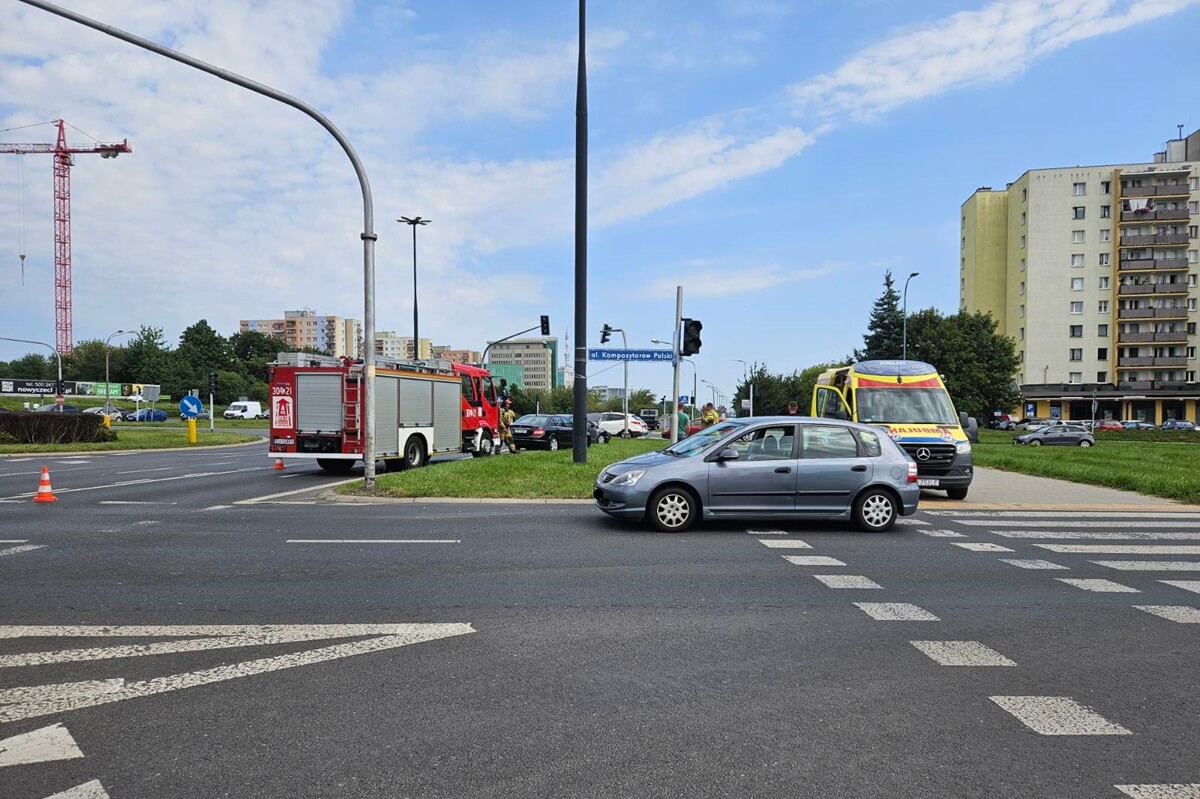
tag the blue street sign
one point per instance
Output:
(630, 355)
(684, 399)
(190, 406)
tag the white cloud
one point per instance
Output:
(998, 41)
(704, 278)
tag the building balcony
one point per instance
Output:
(1152, 216)
(1155, 240)
(1135, 288)
(1136, 338)
(1173, 190)
(1147, 361)
(1136, 385)
(1152, 313)
(1154, 263)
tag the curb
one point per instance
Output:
(361, 500)
(1167, 506)
(78, 453)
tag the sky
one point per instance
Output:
(774, 158)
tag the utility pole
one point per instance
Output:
(579, 434)
(675, 377)
(414, 222)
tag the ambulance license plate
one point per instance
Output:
(929, 482)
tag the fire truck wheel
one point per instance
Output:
(486, 446)
(414, 453)
(335, 465)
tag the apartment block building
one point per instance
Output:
(456, 354)
(535, 355)
(337, 335)
(389, 345)
(1092, 271)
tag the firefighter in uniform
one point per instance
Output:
(507, 417)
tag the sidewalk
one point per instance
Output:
(993, 489)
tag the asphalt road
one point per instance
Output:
(522, 651)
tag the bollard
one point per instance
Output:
(192, 431)
(107, 421)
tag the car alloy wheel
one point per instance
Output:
(876, 511)
(1085, 443)
(1035, 443)
(553, 444)
(673, 509)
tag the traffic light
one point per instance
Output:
(545, 325)
(212, 383)
(605, 334)
(60, 388)
(691, 336)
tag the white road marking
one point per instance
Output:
(147, 522)
(911, 523)
(1186, 585)
(1099, 586)
(763, 531)
(980, 547)
(132, 502)
(895, 611)
(1057, 715)
(374, 541)
(1070, 535)
(13, 540)
(941, 533)
(1071, 523)
(1163, 791)
(384, 637)
(256, 500)
(1182, 614)
(12, 502)
(784, 543)
(144, 481)
(847, 581)
(31, 693)
(812, 560)
(1122, 549)
(1150, 565)
(48, 743)
(18, 550)
(962, 653)
(1068, 514)
(143, 471)
(1032, 564)
(217, 507)
(89, 790)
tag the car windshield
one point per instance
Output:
(533, 419)
(905, 406)
(694, 444)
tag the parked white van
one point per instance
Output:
(245, 410)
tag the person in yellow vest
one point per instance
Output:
(709, 416)
(507, 417)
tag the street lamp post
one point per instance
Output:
(59, 385)
(368, 235)
(904, 335)
(744, 379)
(413, 223)
(107, 385)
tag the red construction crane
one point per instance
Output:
(64, 335)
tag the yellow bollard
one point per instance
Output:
(107, 420)
(191, 431)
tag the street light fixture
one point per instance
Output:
(413, 223)
(57, 388)
(107, 385)
(904, 338)
(744, 380)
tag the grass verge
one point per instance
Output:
(530, 475)
(134, 439)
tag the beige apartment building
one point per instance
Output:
(336, 335)
(1092, 271)
(456, 354)
(536, 355)
(389, 345)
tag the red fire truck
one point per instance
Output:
(422, 408)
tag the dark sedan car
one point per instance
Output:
(56, 409)
(1062, 435)
(548, 431)
(1178, 424)
(147, 415)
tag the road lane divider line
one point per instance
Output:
(1176, 790)
(1099, 586)
(1090, 536)
(941, 533)
(34, 693)
(847, 581)
(895, 611)
(145, 481)
(783, 543)
(1181, 614)
(765, 531)
(973, 546)
(14, 540)
(1122, 549)
(1072, 523)
(374, 541)
(89, 790)
(215, 507)
(39, 746)
(269, 497)
(1186, 585)
(1057, 715)
(962, 653)
(19, 550)
(1033, 563)
(1150, 565)
(1067, 514)
(132, 502)
(812, 560)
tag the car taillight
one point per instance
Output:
(539, 432)
(912, 472)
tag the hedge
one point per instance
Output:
(54, 428)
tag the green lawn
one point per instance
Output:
(529, 475)
(136, 438)
(1162, 464)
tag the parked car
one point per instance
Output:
(650, 417)
(1134, 424)
(613, 423)
(147, 415)
(50, 407)
(1108, 424)
(245, 410)
(115, 413)
(1031, 423)
(548, 431)
(766, 467)
(1179, 424)
(1058, 435)
(204, 414)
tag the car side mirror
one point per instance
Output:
(727, 454)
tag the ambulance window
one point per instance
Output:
(468, 389)
(489, 390)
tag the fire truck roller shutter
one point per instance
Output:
(318, 403)
(447, 416)
(387, 436)
(416, 402)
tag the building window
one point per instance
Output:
(1076, 354)
(1077, 259)
(1192, 279)
(1105, 236)
(1022, 217)
(1193, 231)
(1106, 187)
(1191, 377)
(1025, 193)
(1193, 184)
(1101, 377)
(1076, 284)
(1022, 264)
(1021, 287)
(1078, 211)
(1021, 311)
(1076, 377)
(1022, 242)
(1194, 207)
(1191, 352)
(1191, 328)
(1192, 304)
(1021, 334)
(1106, 212)
(1076, 307)
(1103, 283)
(1102, 330)
(1191, 256)
(1103, 307)
(1079, 189)
(1102, 353)
(1105, 259)
(1077, 237)
(1076, 331)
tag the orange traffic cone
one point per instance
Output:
(44, 492)
(279, 464)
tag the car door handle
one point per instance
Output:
(784, 470)
(859, 468)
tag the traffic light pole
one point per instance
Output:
(675, 379)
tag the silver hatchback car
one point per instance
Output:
(767, 467)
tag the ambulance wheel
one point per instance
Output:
(335, 465)
(486, 446)
(414, 453)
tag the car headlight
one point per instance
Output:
(629, 479)
(963, 447)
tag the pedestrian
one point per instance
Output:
(681, 422)
(507, 417)
(709, 417)
(793, 409)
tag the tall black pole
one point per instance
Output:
(579, 432)
(416, 332)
